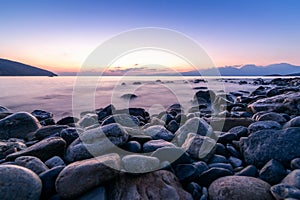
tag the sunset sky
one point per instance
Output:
(59, 35)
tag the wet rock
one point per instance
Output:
(133, 146)
(42, 115)
(105, 112)
(18, 125)
(67, 120)
(140, 163)
(152, 145)
(201, 166)
(173, 155)
(86, 174)
(235, 162)
(221, 165)
(221, 149)
(122, 119)
(262, 146)
(173, 126)
(199, 147)
(96, 142)
(47, 131)
(239, 187)
(55, 161)
(232, 151)
(70, 134)
(47, 122)
(4, 110)
(48, 181)
(285, 103)
(293, 179)
(175, 109)
(32, 163)
(159, 132)
(45, 149)
(264, 125)
(209, 176)
(193, 125)
(156, 185)
(250, 170)
(273, 172)
(218, 159)
(12, 180)
(129, 96)
(283, 191)
(98, 193)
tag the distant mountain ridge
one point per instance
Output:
(13, 68)
(248, 70)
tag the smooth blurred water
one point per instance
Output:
(55, 94)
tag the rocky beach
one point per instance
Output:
(235, 145)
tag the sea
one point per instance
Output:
(71, 95)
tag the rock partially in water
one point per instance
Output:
(82, 176)
(140, 163)
(13, 180)
(284, 103)
(129, 96)
(262, 146)
(18, 125)
(156, 185)
(32, 163)
(67, 120)
(42, 115)
(239, 187)
(4, 110)
(96, 142)
(45, 149)
(105, 112)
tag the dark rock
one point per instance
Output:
(156, 144)
(239, 187)
(156, 185)
(193, 125)
(87, 174)
(32, 163)
(235, 162)
(199, 147)
(232, 151)
(67, 120)
(250, 170)
(175, 108)
(88, 120)
(201, 166)
(105, 112)
(4, 110)
(295, 163)
(141, 113)
(204, 194)
(133, 146)
(225, 124)
(45, 149)
(129, 96)
(173, 155)
(221, 149)
(293, 179)
(47, 131)
(221, 165)
(55, 161)
(159, 132)
(18, 125)
(209, 176)
(98, 193)
(283, 191)
(12, 180)
(173, 126)
(181, 119)
(273, 172)
(47, 122)
(262, 146)
(48, 181)
(140, 138)
(41, 114)
(140, 163)
(70, 134)
(195, 190)
(96, 142)
(218, 159)
(295, 122)
(239, 131)
(263, 125)
(272, 116)
(227, 138)
(11, 146)
(166, 118)
(186, 173)
(285, 103)
(123, 119)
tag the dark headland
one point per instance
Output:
(13, 68)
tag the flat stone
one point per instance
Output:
(140, 163)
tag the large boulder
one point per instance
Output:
(82, 176)
(156, 185)
(45, 149)
(284, 103)
(239, 187)
(193, 125)
(18, 125)
(19, 183)
(96, 142)
(262, 146)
